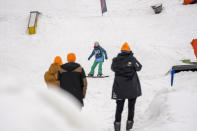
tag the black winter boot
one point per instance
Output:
(90, 75)
(129, 125)
(116, 126)
(99, 75)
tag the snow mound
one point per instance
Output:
(173, 109)
(24, 108)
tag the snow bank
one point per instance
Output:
(24, 108)
(173, 109)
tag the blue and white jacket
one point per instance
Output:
(99, 53)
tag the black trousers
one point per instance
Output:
(120, 106)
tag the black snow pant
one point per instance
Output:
(120, 106)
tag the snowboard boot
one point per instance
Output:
(129, 125)
(116, 126)
(99, 75)
(90, 75)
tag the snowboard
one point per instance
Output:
(97, 76)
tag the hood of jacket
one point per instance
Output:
(53, 68)
(70, 66)
(125, 53)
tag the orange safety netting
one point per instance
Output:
(188, 2)
(194, 44)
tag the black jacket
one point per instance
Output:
(73, 79)
(126, 82)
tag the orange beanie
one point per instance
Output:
(125, 47)
(71, 57)
(58, 60)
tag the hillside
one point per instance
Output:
(158, 42)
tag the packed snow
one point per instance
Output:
(158, 42)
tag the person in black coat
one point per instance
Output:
(72, 78)
(126, 84)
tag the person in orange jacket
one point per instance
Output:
(51, 76)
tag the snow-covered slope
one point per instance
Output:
(158, 41)
(38, 109)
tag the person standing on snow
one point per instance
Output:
(99, 53)
(73, 79)
(52, 74)
(126, 85)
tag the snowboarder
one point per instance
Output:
(52, 74)
(100, 54)
(126, 85)
(73, 79)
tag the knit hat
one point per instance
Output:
(71, 57)
(125, 47)
(58, 60)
